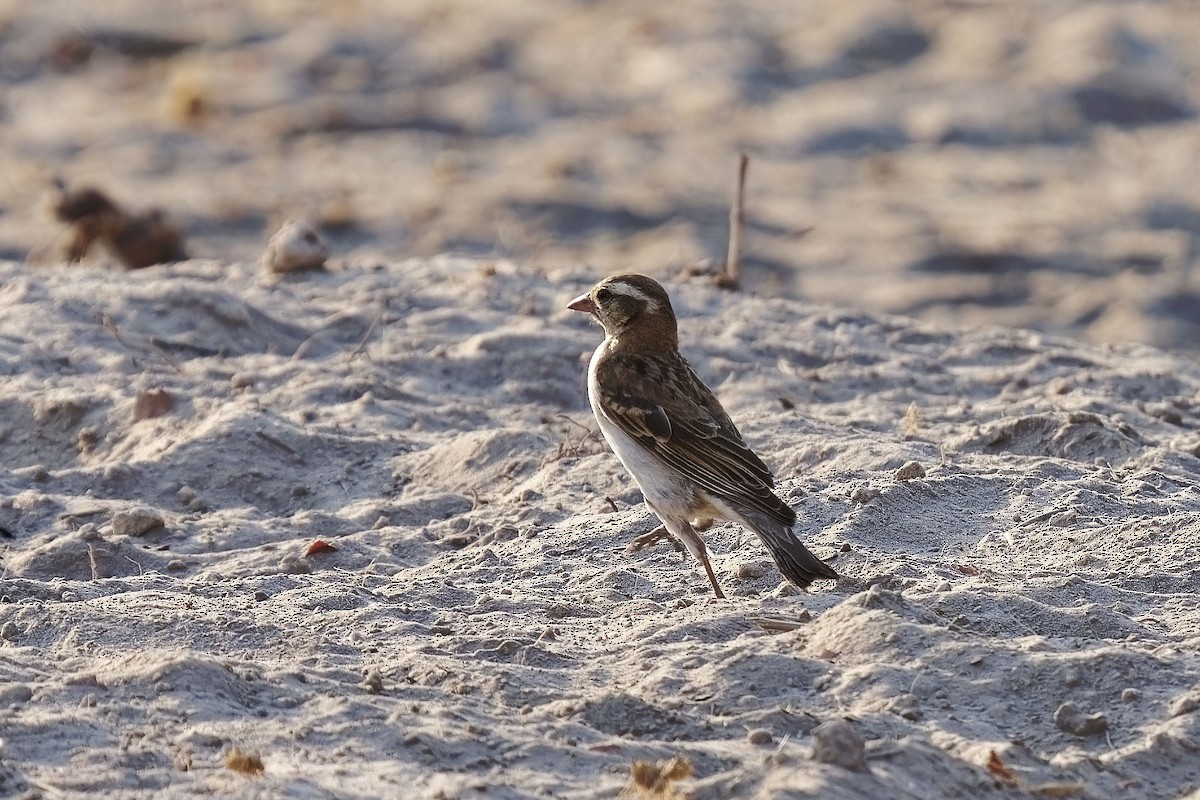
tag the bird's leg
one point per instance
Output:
(695, 546)
(712, 578)
(654, 537)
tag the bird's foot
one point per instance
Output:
(654, 537)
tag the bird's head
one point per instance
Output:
(631, 307)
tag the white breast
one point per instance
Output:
(663, 488)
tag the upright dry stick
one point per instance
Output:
(731, 276)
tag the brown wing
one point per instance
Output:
(687, 429)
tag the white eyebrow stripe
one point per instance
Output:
(632, 291)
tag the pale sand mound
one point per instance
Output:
(479, 630)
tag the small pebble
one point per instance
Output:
(910, 471)
(136, 521)
(9, 631)
(759, 736)
(1069, 719)
(749, 571)
(837, 742)
(295, 247)
(864, 494)
(1130, 695)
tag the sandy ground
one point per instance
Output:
(479, 628)
(947, 201)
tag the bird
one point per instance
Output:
(674, 437)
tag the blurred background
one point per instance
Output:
(978, 163)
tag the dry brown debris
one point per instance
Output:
(247, 763)
(653, 780)
(136, 240)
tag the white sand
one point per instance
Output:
(1030, 602)
(479, 630)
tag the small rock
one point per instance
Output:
(295, 247)
(910, 471)
(759, 736)
(136, 521)
(9, 631)
(1069, 719)
(836, 742)
(176, 565)
(864, 494)
(749, 571)
(1130, 695)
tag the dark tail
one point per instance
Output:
(794, 560)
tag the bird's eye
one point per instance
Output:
(603, 295)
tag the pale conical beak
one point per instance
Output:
(583, 303)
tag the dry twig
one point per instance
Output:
(731, 276)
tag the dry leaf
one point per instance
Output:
(246, 763)
(319, 546)
(998, 768)
(653, 780)
(150, 403)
